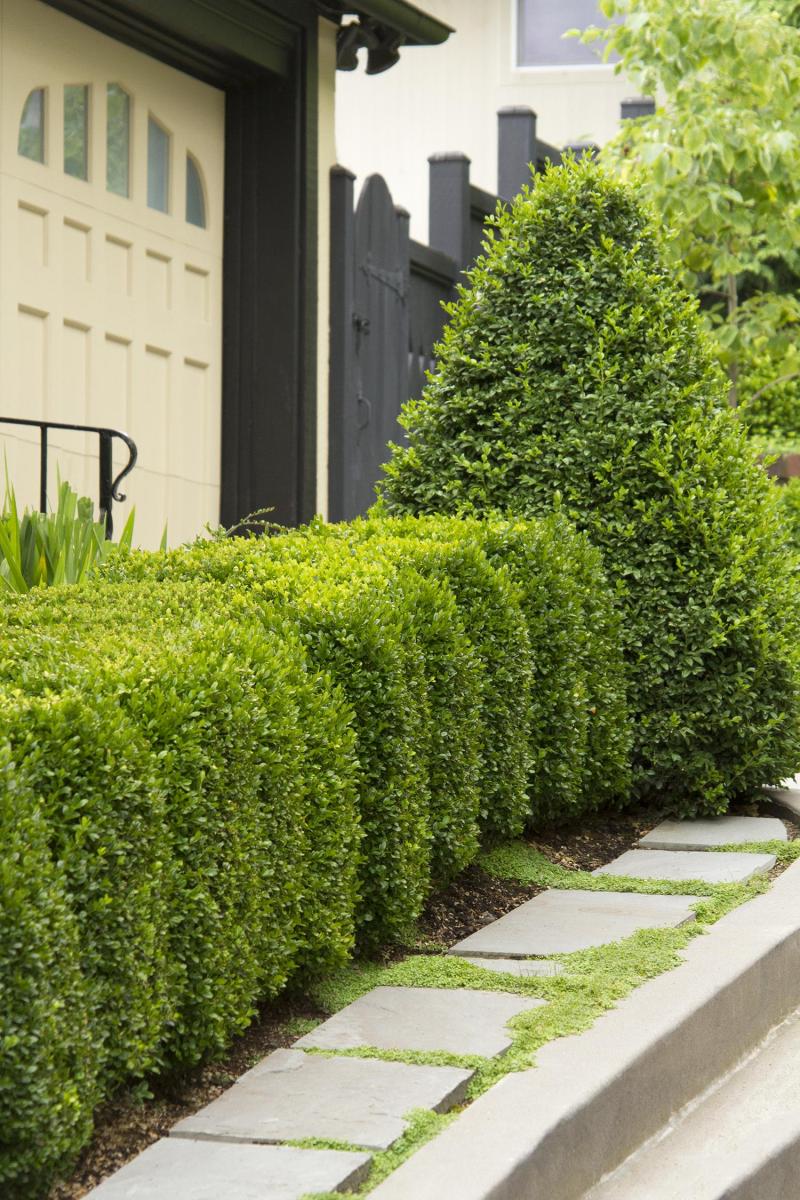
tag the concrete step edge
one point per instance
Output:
(774, 1177)
(591, 1100)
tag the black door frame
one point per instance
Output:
(264, 55)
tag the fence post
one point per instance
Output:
(637, 106)
(404, 244)
(516, 149)
(342, 350)
(449, 206)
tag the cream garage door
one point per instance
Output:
(111, 217)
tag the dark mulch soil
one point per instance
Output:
(126, 1125)
(597, 839)
(473, 900)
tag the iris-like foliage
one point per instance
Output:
(62, 546)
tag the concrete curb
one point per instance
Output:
(592, 1099)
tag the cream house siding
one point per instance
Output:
(326, 158)
(110, 310)
(440, 98)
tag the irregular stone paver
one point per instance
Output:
(562, 921)
(521, 967)
(186, 1170)
(714, 831)
(292, 1095)
(458, 1020)
(682, 865)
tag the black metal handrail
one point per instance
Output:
(109, 484)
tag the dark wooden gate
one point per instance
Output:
(374, 380)
(386, 299)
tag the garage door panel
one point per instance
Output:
(111, 311)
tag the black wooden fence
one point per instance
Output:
(387, 292)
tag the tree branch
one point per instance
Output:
(774, 383)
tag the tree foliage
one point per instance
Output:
(720, 158)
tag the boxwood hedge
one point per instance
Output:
(577, 694)
(229, 765)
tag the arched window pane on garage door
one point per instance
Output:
(195, 194)
(157, 166)
(31, 127)
(76, 130)
(118, 139)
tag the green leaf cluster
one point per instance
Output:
(575, 374)
(789, 508)
(769, 402)
(720, 158)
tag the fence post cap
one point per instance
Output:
(338, 169)
(449, 156)
(516, 110)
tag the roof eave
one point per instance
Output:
(418, 28)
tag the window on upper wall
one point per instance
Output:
(541, 25)
(31, 127)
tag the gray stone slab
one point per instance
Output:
(682, 865)
(458, 1020)
(560, 922)
(179, 1169)
(523, 968)
(713, 831)
(291, 1095)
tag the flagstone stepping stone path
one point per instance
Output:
(559, 922)
(461, 1021)
(716, 831)
(291, 1095)
(725, 867)
(172, 1169)
(317, 1089)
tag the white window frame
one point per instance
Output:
(552, 69)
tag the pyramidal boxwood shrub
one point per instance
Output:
(574, 373)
